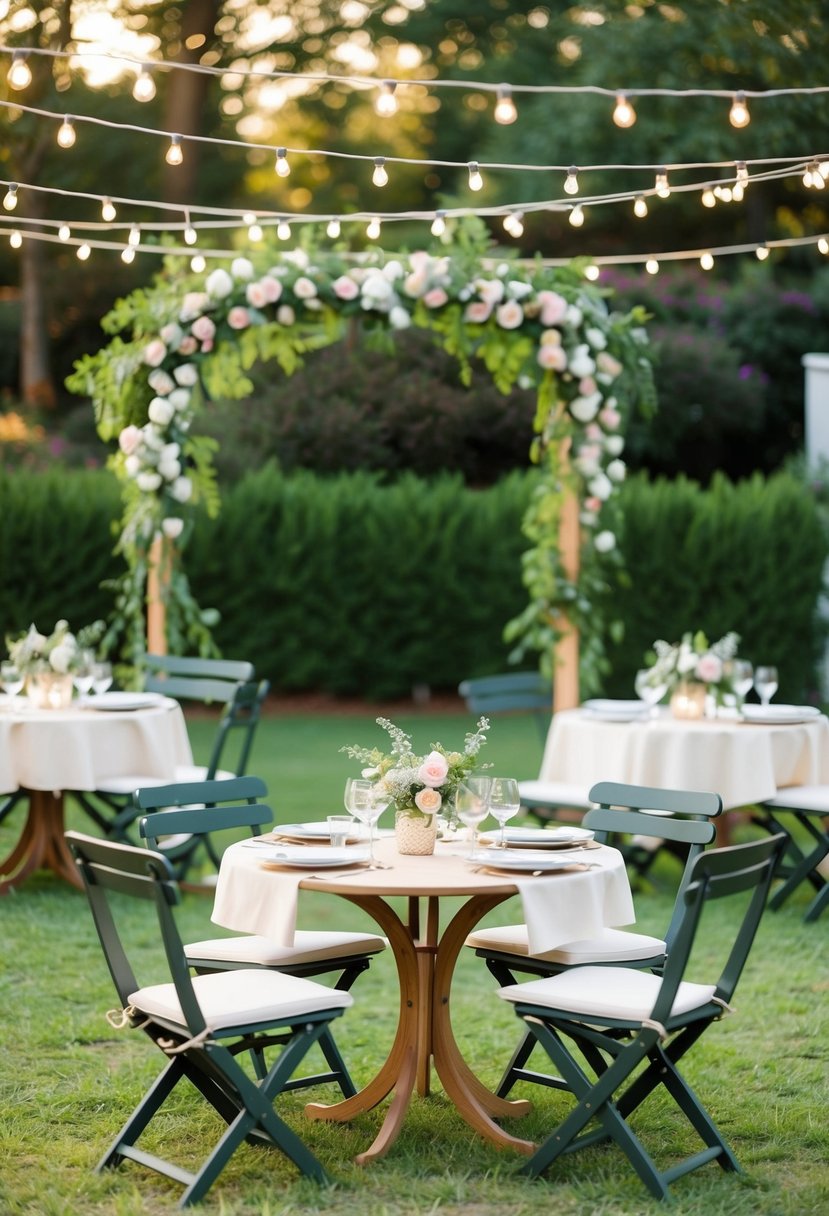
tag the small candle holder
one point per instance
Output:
(688, 701)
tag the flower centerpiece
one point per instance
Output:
(419, 786)
(49, 661)
(693, 669)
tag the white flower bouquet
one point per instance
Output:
(61, 652)
(693, 659)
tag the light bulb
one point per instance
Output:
(476, 182)
(708, 198)
(386, 103)
(190, 234)
(134, 237)
(174, 153)
(513, 224)
(439, 224)
(66, 133)
(10, 199)
(64, 232)
(505, 111)
(591, 272)
(144, 87)
(283, 230)
(762, 252)
(661, 184)
(571, 181)
(15, 240)
(652, 266)
(128, 254)
(333, 229)
(624, 114)
(254, 232)
(640, 207)
(373, 229)
(20, 74)
(742, 173)
(707, 261)
(576, 216)
(807, 177)
(823, 168)
(197, 263)
(727, 194)
(282, 167)
(380, 177)
(738, 115)
(823, 245)
(83, 252)
(818, 181)
(108, 212)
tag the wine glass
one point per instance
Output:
(765, 682)
(366, 801)
(472, 805)
(504, 802)
(82, 676)
(649, 690)
(741, 674)
(12, 680)
(101, 677)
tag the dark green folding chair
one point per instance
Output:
(201, 1023)
(222, 807)
(681, 816)
(802, 813)
(617, 1037)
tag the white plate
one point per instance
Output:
(313, 831)
(307, 858)
(549, 838)
(123, 700)
(779, 715)
(523, 859)
(616, 711)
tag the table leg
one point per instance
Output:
(41, 844)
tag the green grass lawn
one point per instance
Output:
(67, 1080)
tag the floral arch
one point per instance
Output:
(191, 336)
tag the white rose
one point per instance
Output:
(219, 284)
(132, 466)
(399, 318)
(517, 290)
(160, 382)
(182, 489)
(171, 334)
(596, 338)
(148, 481)
(393, 270)
(581, 362)
(604, 542)
(242, 269)
(179, 398)
(161, 411)
(186, 374)
(616, 470)
(574, 315)
(585, 409)
(614, 445)
(600, 486)
(285, 315)
(61, 656)
(297, 257)
(169, 469)
(172, 527)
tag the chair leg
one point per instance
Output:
(163, 1086)
(818, 904)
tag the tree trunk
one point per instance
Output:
(185, 100)
(37, 386)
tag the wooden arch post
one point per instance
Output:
(566, 654)
(159, 570)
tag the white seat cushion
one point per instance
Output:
(802, 798)
(608, 946)
(308, 947)
(554, 793)
(137, 781)
(596, 992)
(234, 998)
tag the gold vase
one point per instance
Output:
(688, 700)
(49, 690)
(415, 834)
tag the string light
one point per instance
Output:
(439, 224)
(742, 173)
(386, 103)
(10, 199)
(20, 74)
(66, 133)
(576, 216)
(592, 272)
(190, 234)
(128, 254)
(652, 266)
(707, 261)
(197, 264)
(762, 252)
(283, 230)
(818, 182)
(64, 232)
(624, 114)
(134, 237)
(380, 177)
(83, 251)
(737, 192)
(823, 168)
(505, 111)
(254, 227)
(476, 182)
(708, 198)
(640, 207)
(333, 229)
(174, 153)
(108, 211)
(823, 245)
(514, 224)
(571, 181)
(373, 229)
(282, 167)
(144, 87)
(738, 115)
(661, 184)
(15, 240)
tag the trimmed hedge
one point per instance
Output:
(354, 587)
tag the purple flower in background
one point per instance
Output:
(799, 299)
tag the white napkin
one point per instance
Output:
(245, 886)
(555, 913)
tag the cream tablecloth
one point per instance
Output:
(557, 907)
(742, 762)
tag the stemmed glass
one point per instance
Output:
(741, 674)
(101, 677)
(648, 691)
(366, 801)
(12, 680)
(765, 682)
(504, 803)
(82, 676)
(472, 805)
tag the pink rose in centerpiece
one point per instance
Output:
(433, 770)
(709, 669)
(428, 800)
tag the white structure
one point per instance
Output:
(816, 429)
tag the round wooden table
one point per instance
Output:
(46, 751)
(425, 958)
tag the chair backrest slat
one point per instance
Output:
(686, 831)
(204, 819)
(205, 793)
(646, 797)
(511, 692)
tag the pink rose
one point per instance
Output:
(593, 432)
(593, 504)
(428, 800)
(587, 386)
(607, 364)
(509, 315)
(477, 312)
(552, 358)
(255, 295)
(709, 669)
(610, 418)
(433, 770)
(553, 307)
(129, 439)
(345, 288)
(272, 288)
(207, 346)
(203, 328)
(188, 345)
(435, 298)
(155, 352)
(238, 317)
(193, 303)
(305, 288)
